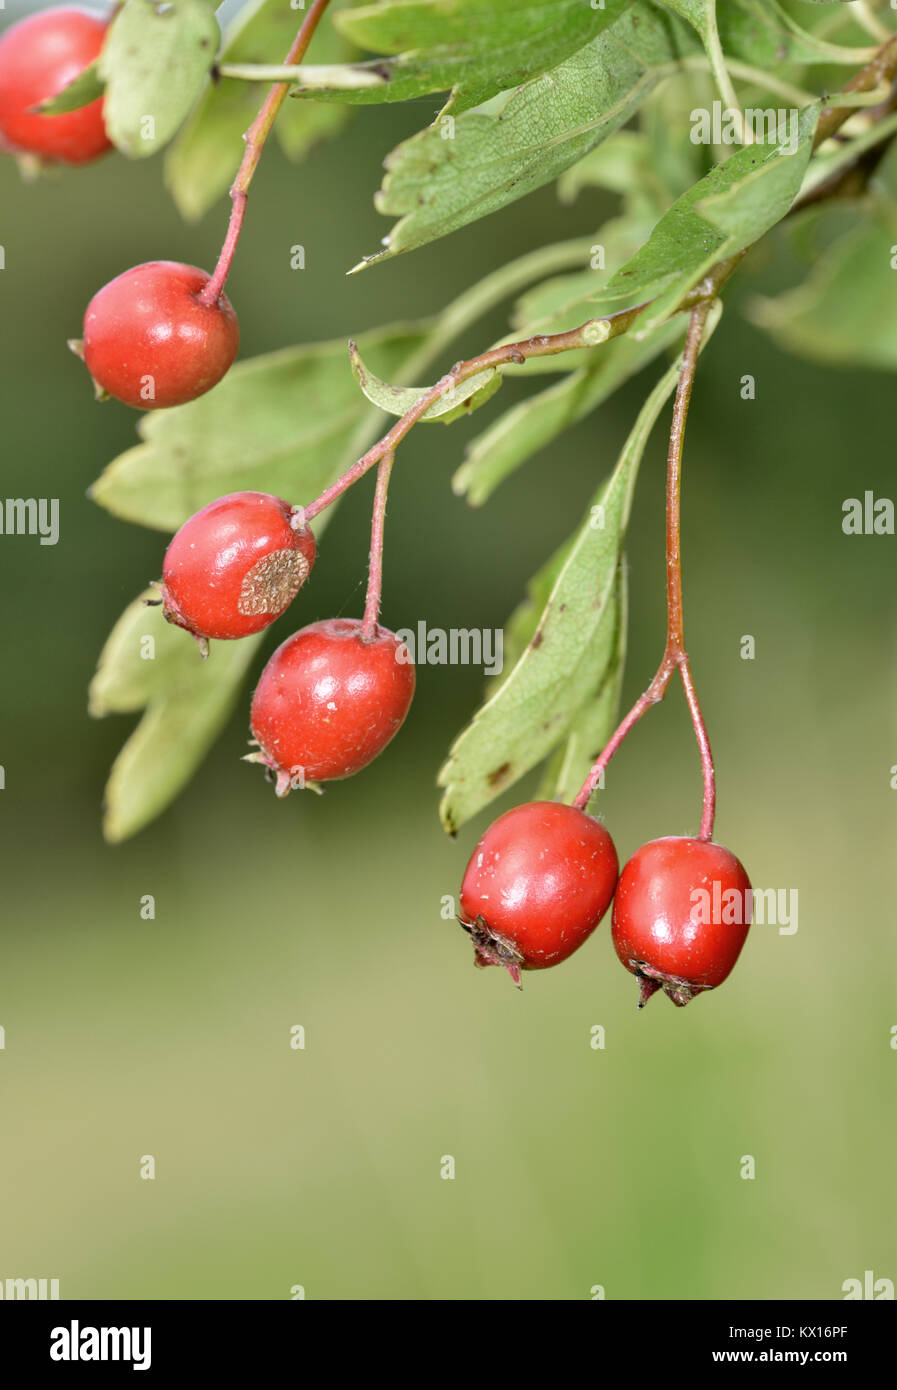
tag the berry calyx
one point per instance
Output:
(150, 341)
(236, 565)
(682, 911)
(39, 57)
(329, 701)
(537, 885)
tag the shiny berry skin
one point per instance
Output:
(538, 883)
(235, 566)
(681, 914)
(329, 701)
(150, 342)
(39, 56)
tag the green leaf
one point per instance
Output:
(460, 400)
(567, 657)
(527, 137)
(147, 662)
(154, 63)
(726, 211)
(845, 312)
(568, 767)
(472, 48)
(81, 91)
(201, 163)
(535, 422)
(279, 423)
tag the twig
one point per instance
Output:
(255, 138)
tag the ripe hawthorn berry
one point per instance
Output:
(39, 56)
(150, 342)
(236, 566)
(681, 915)
(329, 701)
(537, 884)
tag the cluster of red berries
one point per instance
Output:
(333, 696)
(544, 874)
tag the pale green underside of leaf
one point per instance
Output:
(472, 48)
(566, 659)
(81, 91)
(845, 312)
(528, 137)
(201, 163)
(279, 423)
(187, 702)
(154, 64)
(461, 400)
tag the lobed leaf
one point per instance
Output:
(526, 138)
(471, 48)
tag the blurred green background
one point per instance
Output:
(321, 1167)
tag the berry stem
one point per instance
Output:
(255, 138)
(675, 656)
(375, 570)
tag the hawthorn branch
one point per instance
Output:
(588, 334)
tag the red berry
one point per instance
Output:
(40, 56)
(538, 883)
(329, 701)
(151, 343)
(236, 565)
(681, 914)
